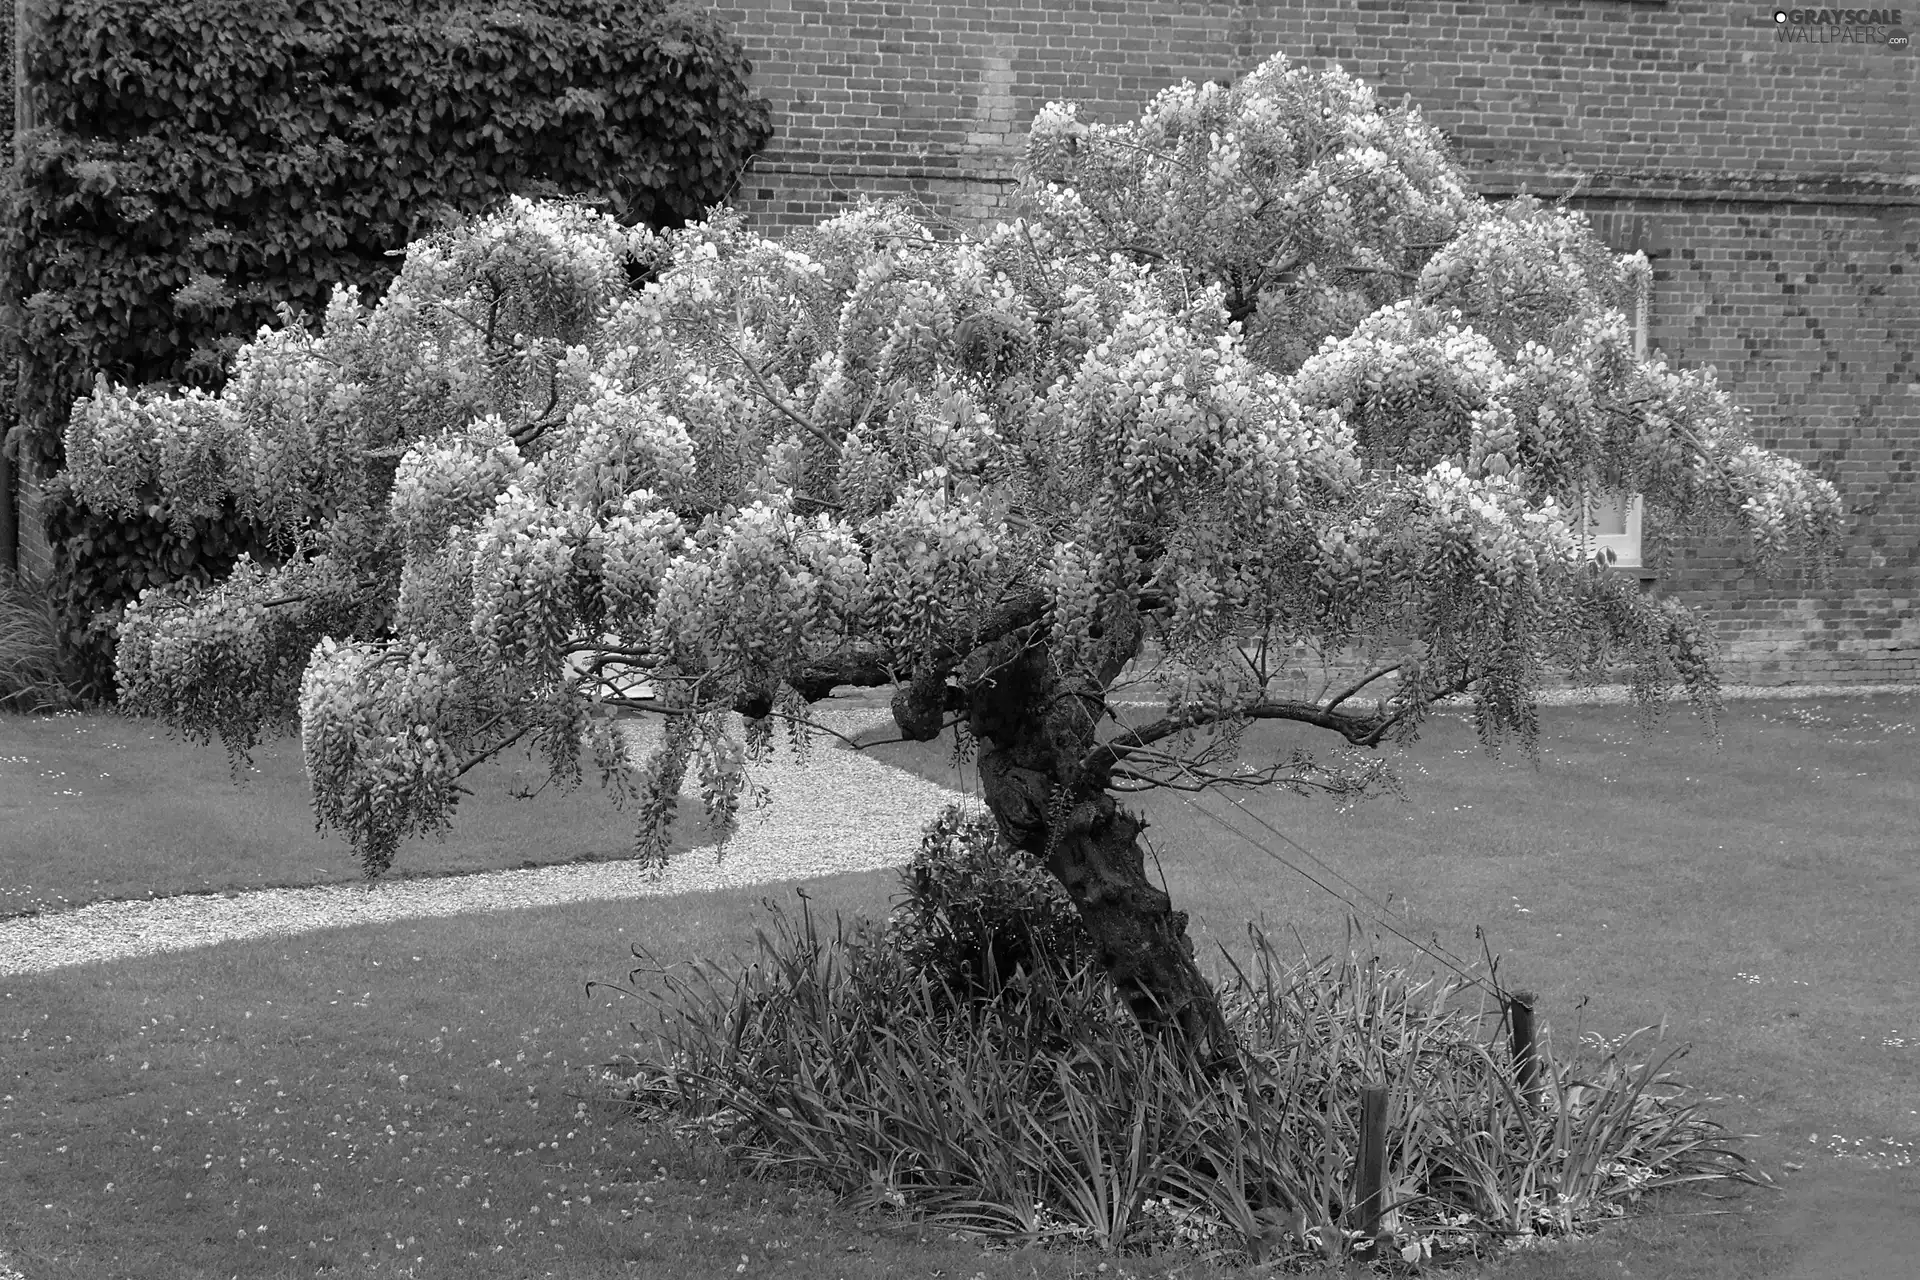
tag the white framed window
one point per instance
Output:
(1613, 522)
(1613, 525)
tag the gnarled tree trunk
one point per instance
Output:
(1033, 724)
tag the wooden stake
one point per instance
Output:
(1373, 1163)
(1525, 1057)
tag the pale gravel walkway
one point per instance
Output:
(841, 812)
(1613, 694)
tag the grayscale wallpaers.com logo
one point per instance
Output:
(1839, 26)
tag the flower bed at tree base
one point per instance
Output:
(1033, 1109)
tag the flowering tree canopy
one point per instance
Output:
(1255, 374)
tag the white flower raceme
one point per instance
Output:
(617, 442)
(1166, 419)
(1411, 380)
(1053, 139)
(298, 433)
(636, 545)
(452, 480)
(436, 592)
(935, 565)
(762, 589)
(118, 441)
(1493, 523)
(560, 265)
(367, 717)
(1072, 581)
(161, 647)
(523, 567)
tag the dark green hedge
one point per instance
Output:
(203, 161)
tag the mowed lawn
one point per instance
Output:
(409, 1099)
(99, 806)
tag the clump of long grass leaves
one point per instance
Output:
(1040, 1112)
(30, 660)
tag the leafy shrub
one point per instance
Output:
(977, 910)
(32, 678)
(1046, 1114)
(101, 563)
(203, 164)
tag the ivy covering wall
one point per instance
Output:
(202, 161)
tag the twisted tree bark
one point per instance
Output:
(1034, 724)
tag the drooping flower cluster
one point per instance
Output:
(380, 770)
(523, 566)
(451, 480)
(935, 567)
(761, 594)
(118, 442)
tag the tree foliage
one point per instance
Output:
(1253, 365)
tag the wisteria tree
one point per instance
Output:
(1255, 375)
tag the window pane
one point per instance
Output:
(1609, 515)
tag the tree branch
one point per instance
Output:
(1376, 271)
(1459, 686)
(358, 588)
(632, 657)
(527, 432)
(1362, 683)
(814, 724)
(492, 751)
(1203, 780)
(772, 397)
(1361, 731)
(1108, 755)
(881, 742)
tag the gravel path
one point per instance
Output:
(841, 812)
(1607, 695)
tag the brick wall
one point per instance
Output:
(1810, 314)
(1656, 97)
(933, 100)
(1772, 180)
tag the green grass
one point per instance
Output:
(98, 806)
(1759, 899)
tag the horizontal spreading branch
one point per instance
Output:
(613, 653)
(1198, 780)
(1361, 730)
(1362, 683)
(358, 588)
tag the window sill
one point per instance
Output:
(1644, 573)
